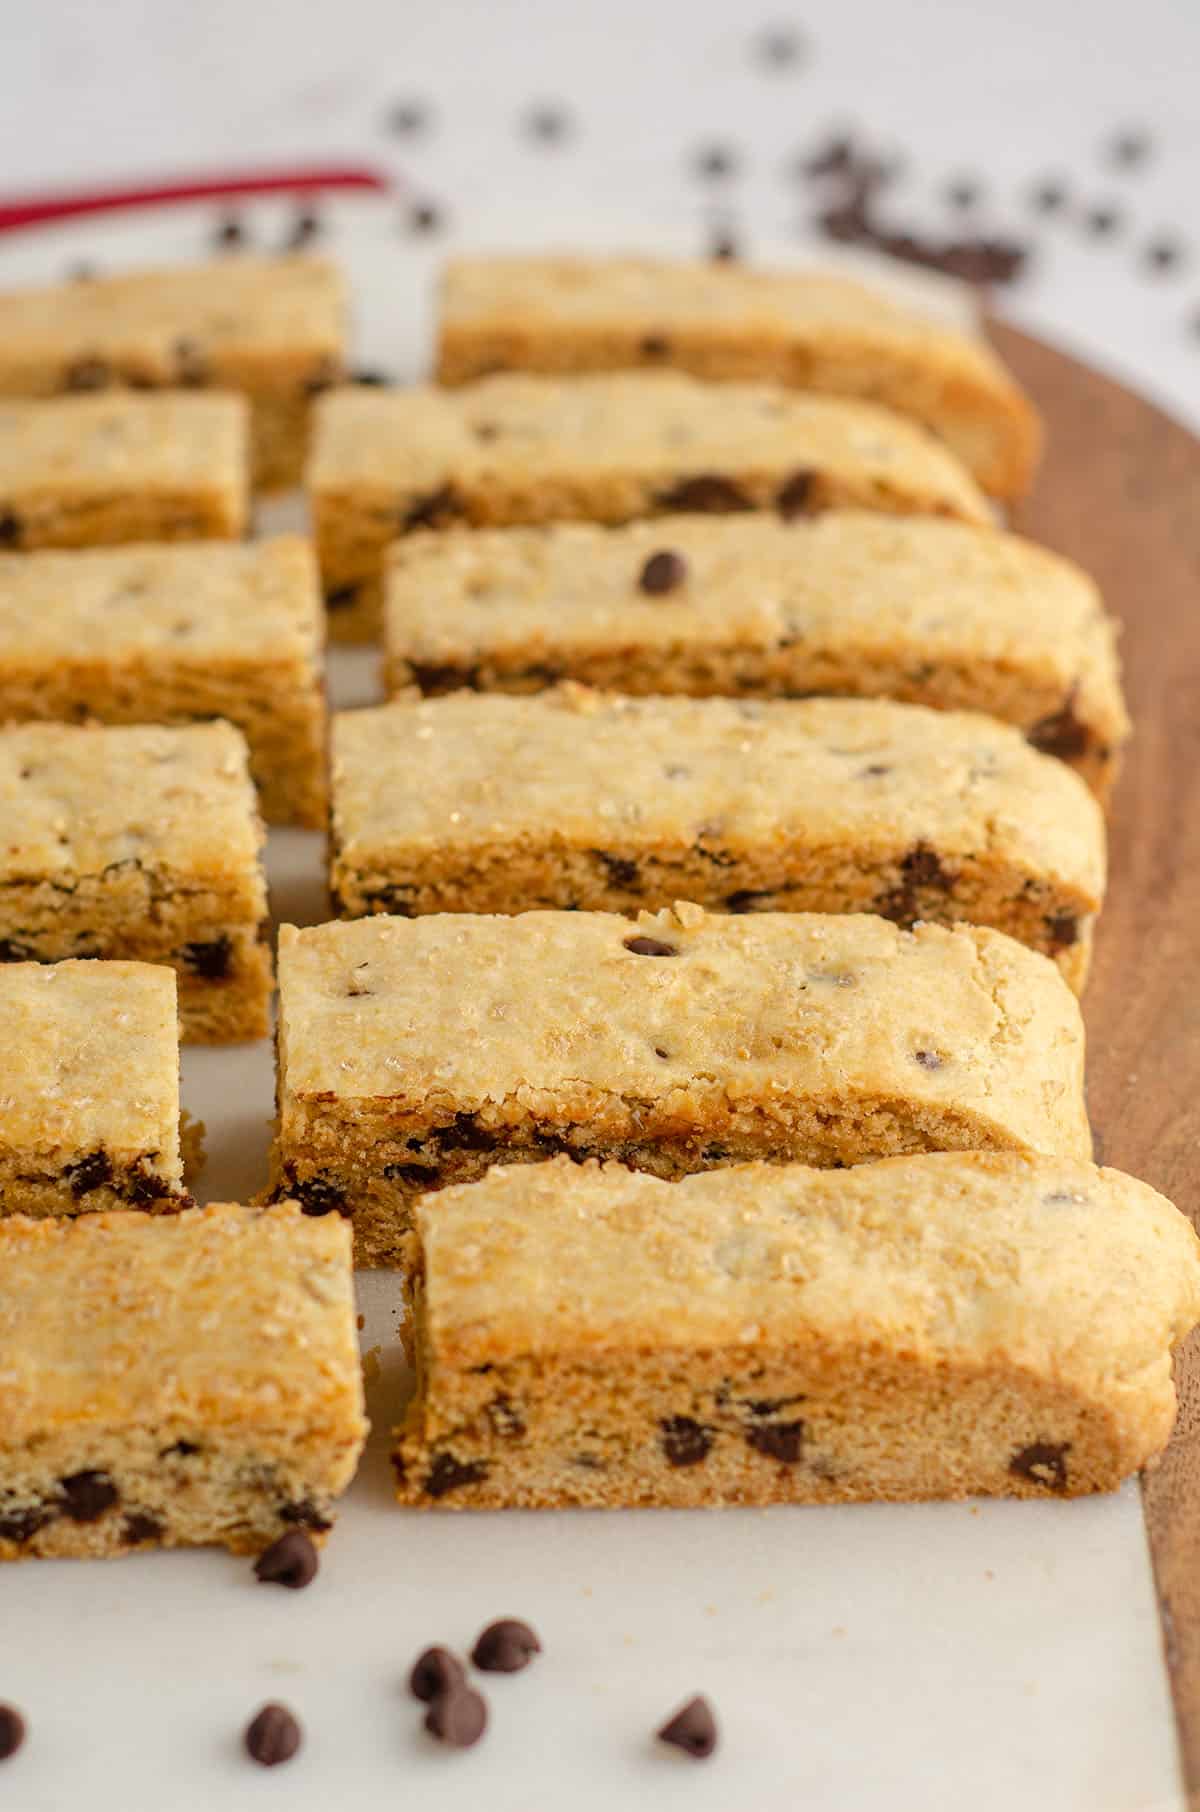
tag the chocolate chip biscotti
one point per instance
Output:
(934, 613)
(609, 449)
(273, 328)
(149, 634)
(418, 1052)
(814, 330)
(94, 471)
(174, 1380)
(89, 1106)
(585, 800)
(920, 1328)
(142, 843)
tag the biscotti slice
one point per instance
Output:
(811, 329)
(141, 843)
(273, 328)
(174, 1380)
(89, 1106)
(170, 635)
(609, 449)
(585, 800)
(94, 471)
(920, 1328)
(934, 613)
(418, 1052)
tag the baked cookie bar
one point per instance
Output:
(418, 1052)
(89, 1110)
(811, 329)
(609, 449)
(150, 634)
(174, 1380)
(142, 843)
(93, 471)
(920, 1328)
(273, 328)
(935, 613)
(584, 800)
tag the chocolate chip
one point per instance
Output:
(1043, 1463)
(230, 233)
(782, 1441)
(86, 1496)
(435, 510)
(712, 162)
(13, 951)
(620, 871)
(448, 1474)
(685, 1442)
(305, 1515)
(343, 597)
(273, 1736)
(457, 1717)
(693, 1728)
(212, 960)
(874, 770)
(745, 899)
(922, 867)
(425, 217)
(407, 118)
(305, 227)
(10, 528)
(23, 1525)
(663, 572)
(435, 1671)
(140, 1185)
(92, 1171)
(180, 1450)
(317, 1196)
(1060, 734)
(140, 1528)
(707, 492)
(88, 374)
(795, 496)
(505, 1647)
(1062, 929)
(928, 1060)
(12, 1731)
(291, 1561)
(650, 946)
(369, 377)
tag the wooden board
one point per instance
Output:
(1120, 493)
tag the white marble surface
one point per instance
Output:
(937, 1657)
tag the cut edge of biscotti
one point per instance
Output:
(815, 330)
(924, 1327)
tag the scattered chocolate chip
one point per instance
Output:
(407, 118)
(693, 1728)
(685, 1442)
(1062, 929)
(782, 1441)
(1128, 149)
(10, 528)
(88, 374)
(1060, 734)
(650, 946)
(928, 1060)
(962, 193)
(424, 217)
(724, 247)
(457, 1717)
(448, 1474)
(795, 496)
(437, 509)
(663, 572)
(86, 1496)
(435, 1671)
(92, 1171)
(1043, 1463)
(23, 1525)
(139, 1529)
(273, 1736)
(230, 233)
(708, 493)
(1163, 255)
(1103, 221)
(505, 1647)
(547, 123)
(12, 1731)
(211, 960)
(305, 1515)
(1049, 197)
(779, 47)
(712, 162)
(291, 1561)
(305, 227)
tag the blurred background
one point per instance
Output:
(1049, 148)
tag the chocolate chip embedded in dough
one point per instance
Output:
(436, 509)
(650, 946)
(1062, 929)
(685, 1442)
(620, 870)
(10, 528)
(663, 572)
(140, 1528)
(693, 1728)
(92, 1171)
(794, 498)
(709, 493)
(90, 373)
(505, 1647)
(783, 1441)
(23, 1525)
(85, 1496)
(654, 346)
(1043, 1462)
(211, 959)
(928, 1060)
(273, 1736)
(305, 1515)
(450, 1474)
